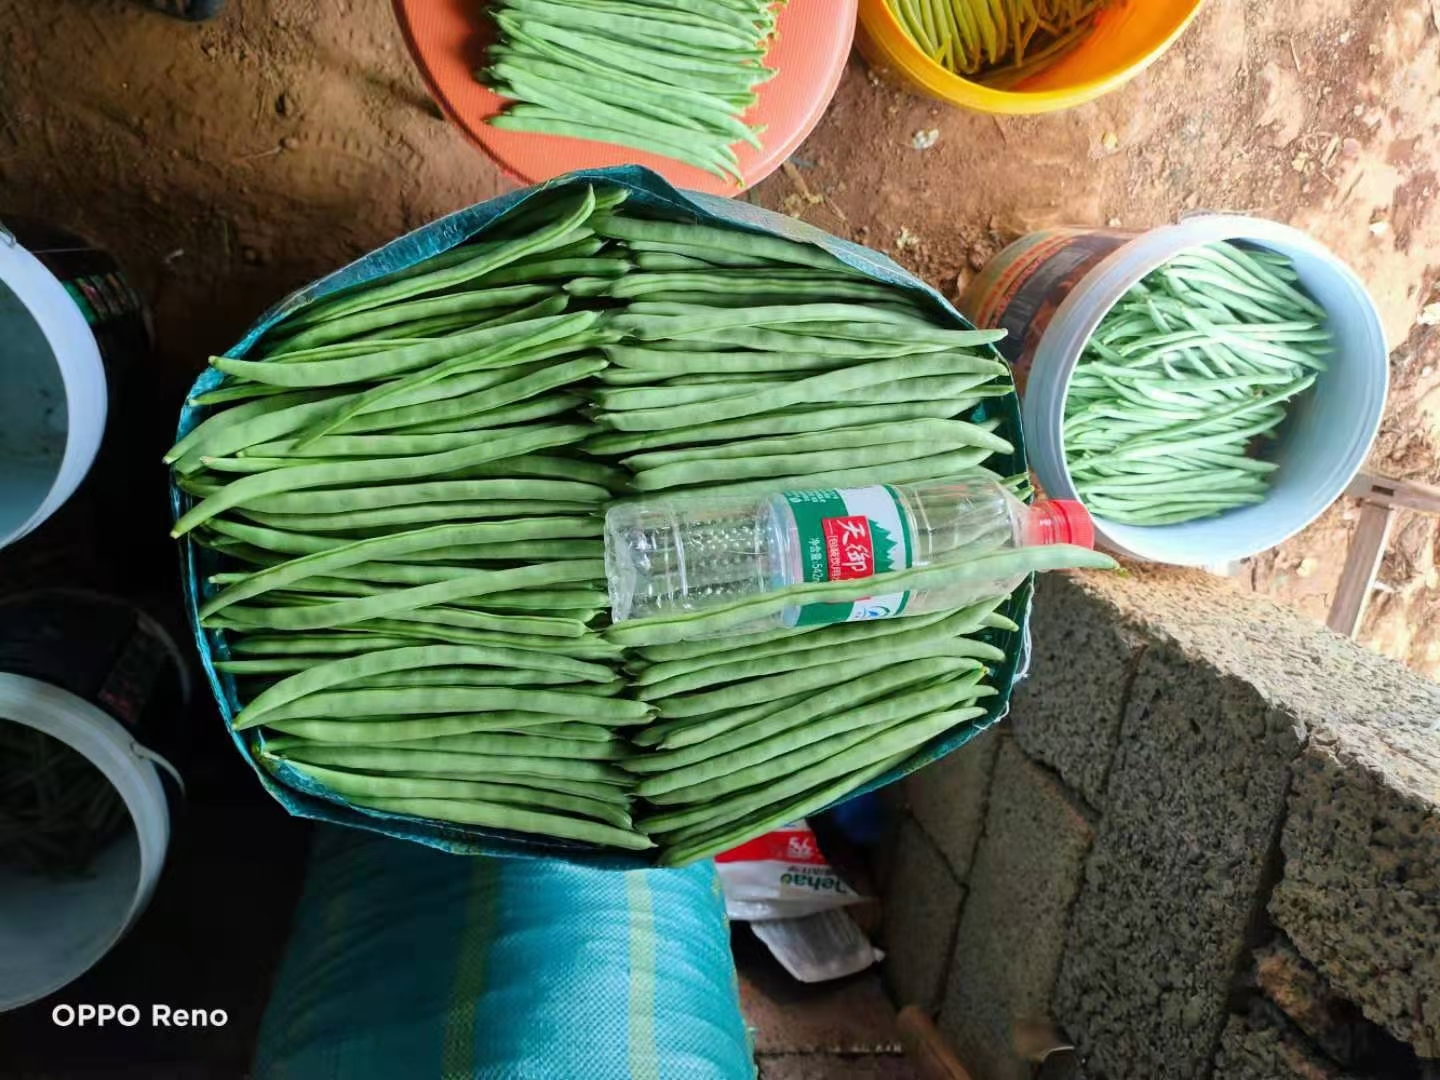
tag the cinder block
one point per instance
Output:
(1226, 692)
(1013, 928)
(1193, 805)
(922, 909)
(1067, 714)
(948, 799)
(1360, 896)
(1333, 1024)
(1263, 1047)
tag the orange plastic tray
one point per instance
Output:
(448, 39)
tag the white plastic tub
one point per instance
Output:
(1325, 440)
(53, 392)
(51, 932)
(101, 676)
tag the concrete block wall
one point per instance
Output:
(1189, 774)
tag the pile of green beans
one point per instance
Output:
(998, 42)
(1184, 380)
(756, 731)
(670, 77)
(57, 810)
(405, 491)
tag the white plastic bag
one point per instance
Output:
(781, 875)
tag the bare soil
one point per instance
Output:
(229, 162)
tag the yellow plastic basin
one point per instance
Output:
(1127, 39)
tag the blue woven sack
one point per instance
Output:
(404, 962)
(300, 795)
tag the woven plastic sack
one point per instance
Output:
(649, 192)
(407, 962)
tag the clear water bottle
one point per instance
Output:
(687, 553)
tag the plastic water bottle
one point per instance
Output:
(687, 553)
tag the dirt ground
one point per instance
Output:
(229, 162)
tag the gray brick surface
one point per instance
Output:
(1263, 1047)
(948, 798)
(1013, 927)
(1067, 713)
(1228, 691)
(922, 910)
(1360, 896)
(1194, 801)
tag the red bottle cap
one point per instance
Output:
(1061, 521)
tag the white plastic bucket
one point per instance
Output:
(51, 932)
(53, 392)
(1052, 291)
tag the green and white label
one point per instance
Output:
(847, 534)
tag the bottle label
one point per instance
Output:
(848, 534)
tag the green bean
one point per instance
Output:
(530, 81)
(410, 515)
(826, 648)
(279, 665)
(528, 385)
(319, 645)
(557, 339)
(739, 812)
(628, 56)
(229, 418)
(802, 680)
(521, 412)
(357, 784)
(377, 731)
(691, 30)
(561, 229)
(857, 761)
(687, 473)
(814, 388)
(404, 659)
(344, 328)
(689, 106)
(543, 122)
(437, 700)
(694, 670)
(1000, 622)
(588, 647)
(668, 396)
(509, 817)
(522, 744)
(939, 434)
(766, 339)
(998, 566)
(387, 759)
(719, 735)
(384, 363)
(657, 363)
(914, 471)
(671, 734)
(434, 491)
(652, 320)
(397, 545)
(772, 642)
(304, 477)
(772, 424)
(546, 599)
(737, 768)
(399, 602)
(276, 424)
